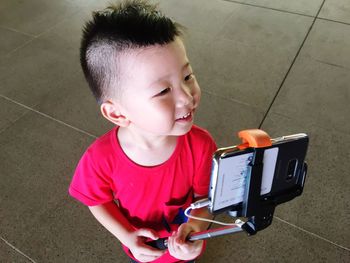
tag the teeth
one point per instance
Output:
(188, 114)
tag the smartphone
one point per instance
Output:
(283, 169)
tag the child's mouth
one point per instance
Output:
(186, 117)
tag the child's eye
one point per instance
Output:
(189, 77)
(164, 91)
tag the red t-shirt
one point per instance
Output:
(149, 197)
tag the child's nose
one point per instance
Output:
(184, 97)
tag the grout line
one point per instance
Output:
(16, 31)
(12, 122)
(331, 64)
(269, 8)
(231, 99)
(291, 66)
(49, 117)
(312, 234)
(34, 37)
(27, 42)
(48, 30)
(21, 46)
(17, 250)
(335, 21)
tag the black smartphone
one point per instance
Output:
(283, 169)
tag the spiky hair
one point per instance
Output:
(115, 30)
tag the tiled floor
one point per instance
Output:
(277, 64)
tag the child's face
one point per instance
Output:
(160, 92)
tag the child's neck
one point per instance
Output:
(145, 149)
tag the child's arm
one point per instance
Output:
(114, 221)
(187, 250)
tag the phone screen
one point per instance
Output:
(232, 173)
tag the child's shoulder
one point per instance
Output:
(201, 145)
(200, 136)
(200, 133)
(104, 144)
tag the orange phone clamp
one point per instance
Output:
(260, 216)
(254, 138)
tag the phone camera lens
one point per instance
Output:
(292, 165)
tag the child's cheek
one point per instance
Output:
(197, 98)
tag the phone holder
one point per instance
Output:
(257, 209)
(260, 211)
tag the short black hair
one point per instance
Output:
(125, 26)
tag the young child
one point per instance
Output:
(138, 178)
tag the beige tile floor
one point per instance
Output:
(280, 65)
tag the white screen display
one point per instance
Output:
(231, 180)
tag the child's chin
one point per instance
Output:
(183, 130)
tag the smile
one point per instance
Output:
(185, 117)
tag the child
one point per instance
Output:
(138, 178)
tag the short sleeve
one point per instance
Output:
(205, 148)
(91, 184)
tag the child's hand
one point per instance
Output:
(180, 248)
(138, 247)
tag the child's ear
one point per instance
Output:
(112, 112)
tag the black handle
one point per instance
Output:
(160, 243)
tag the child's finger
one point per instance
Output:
(185, 251)
(145, 232)
(173, 247)
(182, 234)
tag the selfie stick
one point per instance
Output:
(259, 212)
(162, 243)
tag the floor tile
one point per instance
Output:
(278, 243)
(323, 208)
(68, 33)
(73, 103)
(306, 7)
(266, 28)
(37, 68)
(93, 5)
(337, 10)
(10, 40)
(316, 90)
(9, 113)
(36, 16)
(316, 93)
(253, 54)
(224, 118)
(197, 15)
(328, 42)
(8, 254)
